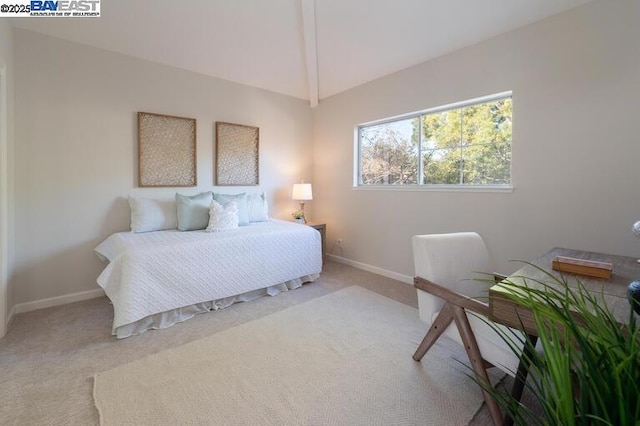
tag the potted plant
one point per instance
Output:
(588, 371)
(298, 216)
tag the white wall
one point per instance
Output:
(6, 171)
(76, 150)
(576, 146)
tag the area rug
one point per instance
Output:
(341, 359)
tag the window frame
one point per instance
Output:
(357, 178)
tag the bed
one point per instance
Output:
(157, 279)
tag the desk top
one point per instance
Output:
(613, 290)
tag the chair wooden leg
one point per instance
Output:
(486, 364)
(437, 328)
(473, 352)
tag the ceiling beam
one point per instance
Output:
(310, 48)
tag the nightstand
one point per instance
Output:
(322, 229)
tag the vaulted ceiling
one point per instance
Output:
(310, 49)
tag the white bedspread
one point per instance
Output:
(160, 271)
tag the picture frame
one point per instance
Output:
(237, 154)
(167, 152)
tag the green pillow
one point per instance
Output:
(241, 201)
(193, 211)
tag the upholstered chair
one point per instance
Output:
(453, 304)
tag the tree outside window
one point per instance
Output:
(466, 145)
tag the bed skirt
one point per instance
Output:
(169, 318)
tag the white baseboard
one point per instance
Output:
(370, 268)
(21, 308)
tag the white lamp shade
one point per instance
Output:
(302, 192)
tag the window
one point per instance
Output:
(467, 144)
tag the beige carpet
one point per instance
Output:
(344, 358)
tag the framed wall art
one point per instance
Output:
(237, 154)
(166, 150)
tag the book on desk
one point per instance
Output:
(589, 268)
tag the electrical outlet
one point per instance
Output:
(339, 242)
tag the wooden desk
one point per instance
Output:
(614, 291)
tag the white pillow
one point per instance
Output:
(258, 208)
(148, 214)
(241, 201)
(222, 217)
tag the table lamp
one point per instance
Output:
(633, 291)
(636, 231)
(302, 192)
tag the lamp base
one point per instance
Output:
(633, 295)
(304, 218)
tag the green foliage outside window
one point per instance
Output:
(469, 145)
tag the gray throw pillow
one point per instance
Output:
(193, 211)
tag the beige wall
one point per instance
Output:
(576, 149)
(575, 79)
(76, 150)
(6, 173)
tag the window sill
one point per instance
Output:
(436, 188)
